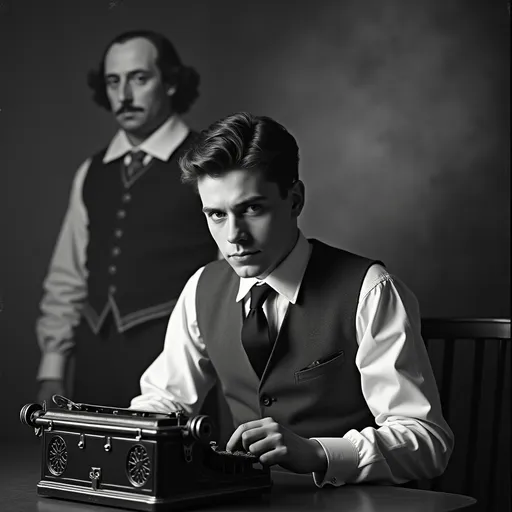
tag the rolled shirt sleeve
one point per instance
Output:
(412, 441)
(181, 376)
(65, 286)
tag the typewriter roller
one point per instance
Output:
(137, 460)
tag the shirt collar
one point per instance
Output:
(287, 277)
(160, 144)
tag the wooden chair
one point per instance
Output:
(471, 361)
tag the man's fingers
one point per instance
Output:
(252, 435)
(274, 456)
(265, 444)
(235, 441)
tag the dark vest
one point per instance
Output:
(146, 238)
(325, 400)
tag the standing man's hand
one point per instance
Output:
(275, 444)
(48, 388)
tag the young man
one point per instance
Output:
(318, 351)
(132, 235)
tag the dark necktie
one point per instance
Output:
(136, 163)
(255, 331)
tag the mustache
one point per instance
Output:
(128, 107)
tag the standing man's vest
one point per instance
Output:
(324, 400)
(145, 240)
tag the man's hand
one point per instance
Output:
(48, 388)
(275, 444)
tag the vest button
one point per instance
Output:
(126, 198)
(265, 400)
(121, 214)
(112, 289)
(116, 251)
(118, 233)
(112, 269)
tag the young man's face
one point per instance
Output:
(138, 97)
(253, 226)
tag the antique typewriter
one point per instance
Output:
(137, 460)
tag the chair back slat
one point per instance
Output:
(500, 382)
(474, 413)
(473, 375)
(446, 386)
(466, 328)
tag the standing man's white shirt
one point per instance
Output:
(396, 377)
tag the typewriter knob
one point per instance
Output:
(200, 428)
(28, 414)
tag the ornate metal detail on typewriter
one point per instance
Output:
(57, 455)
(95, 476)
(187, 451)
(138, 465)
(81, 443)
(198, 428)
(108, 444)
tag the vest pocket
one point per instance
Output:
(322, 368)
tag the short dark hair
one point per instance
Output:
(243, 141)
(185, 78)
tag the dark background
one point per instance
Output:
(401, 110)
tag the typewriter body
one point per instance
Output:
(137, 460)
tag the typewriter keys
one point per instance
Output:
(237, 453)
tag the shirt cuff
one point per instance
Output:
(342, 461)
(52, 366)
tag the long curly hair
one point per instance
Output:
(184, 78)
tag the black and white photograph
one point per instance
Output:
(255, 255)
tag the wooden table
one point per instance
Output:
(20, 470)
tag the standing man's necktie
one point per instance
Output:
(136, 164)
(255, 331)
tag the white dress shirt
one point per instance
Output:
(397, 381)
(65, 286)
